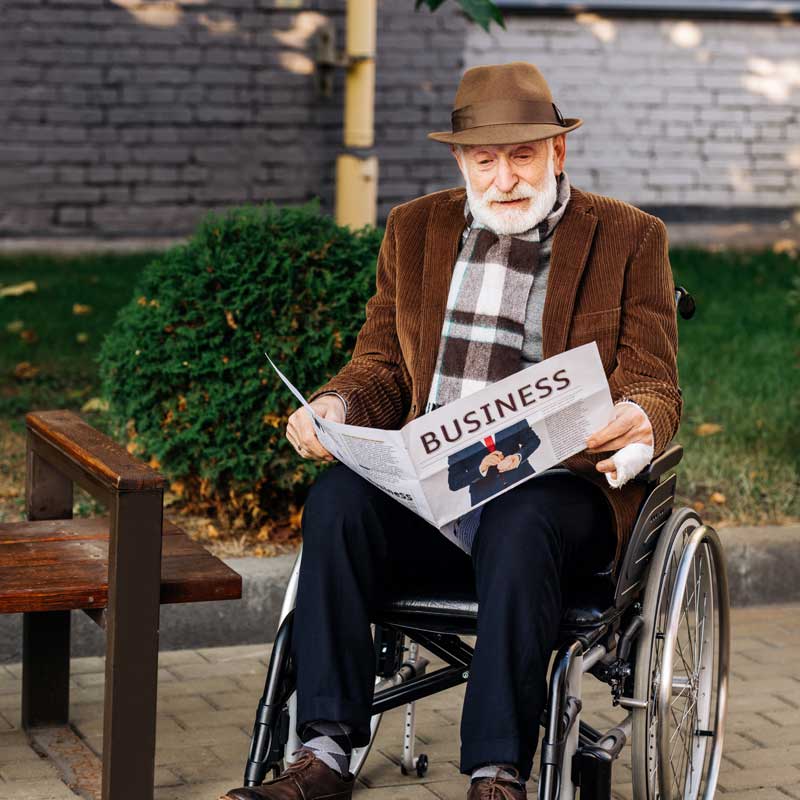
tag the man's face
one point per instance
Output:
(511, 188)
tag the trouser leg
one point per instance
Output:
(530, 540)
(357, 541)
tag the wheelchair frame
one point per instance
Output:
(574, 756)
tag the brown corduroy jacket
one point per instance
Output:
(610, 280)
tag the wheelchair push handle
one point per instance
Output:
(685, 302)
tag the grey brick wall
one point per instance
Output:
(135, 118)
(676, 113)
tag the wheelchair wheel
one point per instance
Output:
(682, 663)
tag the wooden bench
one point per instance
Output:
(118, 569)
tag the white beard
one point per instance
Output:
(512, 221)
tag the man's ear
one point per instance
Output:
(559, 152)
(457, 155)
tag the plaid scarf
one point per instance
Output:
(484, 322)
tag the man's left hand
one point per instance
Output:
(630, 425)
(509, 463)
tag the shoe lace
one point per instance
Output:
(497, 789)
(305, 757)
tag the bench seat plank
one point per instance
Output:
(51, 565)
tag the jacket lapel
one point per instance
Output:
(572, 242)
(442, 238)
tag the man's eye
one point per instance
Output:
(485, 162)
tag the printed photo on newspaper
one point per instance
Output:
(460, 456)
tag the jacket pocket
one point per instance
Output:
(601, 327)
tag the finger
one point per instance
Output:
(617, 427)
(615, 444)
(306, 434)
(316, 450)
(636, 433)
(606, 465)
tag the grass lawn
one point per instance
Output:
(58, 328)
(739, 362)
(739, 370)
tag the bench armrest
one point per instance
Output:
(658, 466)
(94, 453)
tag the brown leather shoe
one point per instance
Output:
(306, 779)
(496, 789)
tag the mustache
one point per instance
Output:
(523, 190)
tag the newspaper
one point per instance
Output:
(467, 452)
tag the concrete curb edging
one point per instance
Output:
(763, 567)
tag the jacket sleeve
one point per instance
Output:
(461, 471)
(530, 442)
(647, 370)
(375, 384)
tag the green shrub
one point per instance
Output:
(183, 367)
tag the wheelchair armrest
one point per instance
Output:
(654, 471)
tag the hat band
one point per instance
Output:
(506, 112)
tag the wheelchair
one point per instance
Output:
(658, 635)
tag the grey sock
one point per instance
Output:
(497, 770)
(330, 743)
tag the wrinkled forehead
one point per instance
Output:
(540, 146)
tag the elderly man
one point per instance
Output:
(472, 286)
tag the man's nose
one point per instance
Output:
(505, 180)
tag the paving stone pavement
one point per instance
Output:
(207, 699)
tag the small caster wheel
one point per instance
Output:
(422, 765)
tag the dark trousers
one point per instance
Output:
(358, 543)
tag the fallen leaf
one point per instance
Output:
(25, 370)
(212, 532)
(230, 320)
(29, 335)
(698, 505)
(785, 246)
(718, 498)
(81, 338)
(154, 462)
(265, 531)
(15, 326)
(81, 308)
(18, 289)
(707, 429)
(96, 404)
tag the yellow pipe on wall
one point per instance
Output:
(357, 175)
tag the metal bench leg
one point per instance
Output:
(134, 581)
(45, 668)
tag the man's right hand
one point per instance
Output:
(491, 460)
(300, 429)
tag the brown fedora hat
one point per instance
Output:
(504, 104)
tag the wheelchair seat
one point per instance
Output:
(588, 605)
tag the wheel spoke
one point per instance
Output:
(684, 603)
(683, 658)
